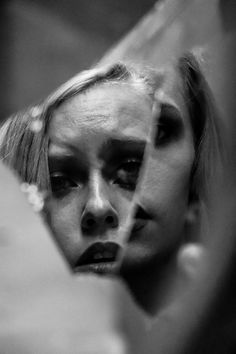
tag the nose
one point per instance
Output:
(99, 216)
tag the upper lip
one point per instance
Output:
(140, 219)
(99, 252)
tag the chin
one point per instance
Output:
(148, 277)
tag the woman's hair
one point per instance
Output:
(206, 126)
(24, 137)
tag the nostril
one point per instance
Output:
(98, 222)
(90, 222)
(109, 220)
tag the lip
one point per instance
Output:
(141, 219)
(98, 268)
(100, 257)
(139, 224)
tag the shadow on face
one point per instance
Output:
(97, 142)
(165, 208)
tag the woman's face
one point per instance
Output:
(97, 141)
(165, 205)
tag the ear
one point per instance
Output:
(192, 221)
(191, 258)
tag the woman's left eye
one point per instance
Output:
(163, 134)
(127, 174)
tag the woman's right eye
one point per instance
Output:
(61, 183)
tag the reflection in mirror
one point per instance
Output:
(173, 193)
(124, 162)
(79, 154)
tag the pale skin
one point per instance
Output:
(93, 130)
(96, 147)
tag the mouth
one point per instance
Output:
(140, 220)
(100, 258)
(139, 224)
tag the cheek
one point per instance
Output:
(165, 193)
(63, 218)
(165, 184)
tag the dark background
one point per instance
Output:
(45, 42)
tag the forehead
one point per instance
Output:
(172, 91)
(110, 109)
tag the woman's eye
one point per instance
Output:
(127, 174)
(163, 134)
(61, 183)
(168, 129)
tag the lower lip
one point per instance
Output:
(138, 227)
(98, 268)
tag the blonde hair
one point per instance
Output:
(26, 151)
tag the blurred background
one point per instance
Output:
(45, 42)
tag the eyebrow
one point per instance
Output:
(120, 146)
(59, 151)
(171, 116)
(64, 158)
(127, 141)
(113, 147)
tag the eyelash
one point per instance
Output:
(127, 173)
(170, 131)
(160, 128)
(61, 183)
(126, 176)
